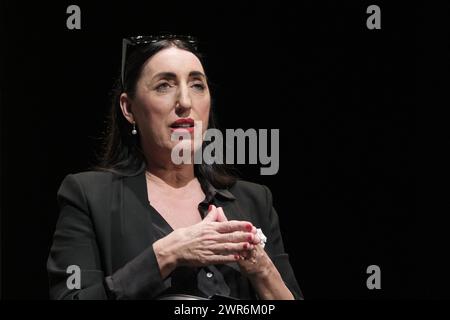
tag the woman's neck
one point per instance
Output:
(176, 176)
(160, 165)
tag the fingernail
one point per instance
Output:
(249, 238)
(236, 257)
(249, 227)
(245, 245)
(210, 207)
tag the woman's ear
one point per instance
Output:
(125, 105)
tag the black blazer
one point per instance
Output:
(105, 228)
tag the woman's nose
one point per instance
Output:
(184, 102)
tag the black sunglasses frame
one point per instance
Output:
(135, 42)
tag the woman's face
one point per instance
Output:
(172, 87)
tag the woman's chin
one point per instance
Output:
(185, 147)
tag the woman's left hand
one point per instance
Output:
(256, 265)
(255, 262)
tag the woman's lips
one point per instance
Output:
(183, 125)
(180, 129)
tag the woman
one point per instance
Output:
(143, 227)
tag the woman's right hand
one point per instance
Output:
(214, 240)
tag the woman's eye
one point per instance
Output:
(163, 87)
(199, 86)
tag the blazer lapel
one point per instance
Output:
(135, 232)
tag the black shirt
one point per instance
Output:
(223, 280)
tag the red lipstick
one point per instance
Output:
(186, 124)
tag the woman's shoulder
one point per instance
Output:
(89, 179)
(90, 176)
(247, 185)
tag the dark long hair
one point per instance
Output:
(121, 151)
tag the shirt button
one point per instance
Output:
(209, 275)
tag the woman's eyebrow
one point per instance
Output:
(197, 74)
(166, 75)
(171, 75)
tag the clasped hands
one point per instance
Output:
(214, 240)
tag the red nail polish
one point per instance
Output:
(245, 245)
(250, 238)
(236, 257)
(249, 227)
(210, 207)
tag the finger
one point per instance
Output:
(248, 255)
(234, 225)
(256, 239)
(212, 214)
(237, 236)
(221, 259)
(245, 254)
(222, 216)
(230, 248)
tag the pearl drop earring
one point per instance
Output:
(134, 131)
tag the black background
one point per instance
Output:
(343, 97)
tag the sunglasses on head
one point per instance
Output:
(131, 44)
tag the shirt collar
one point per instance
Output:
(212, 192)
